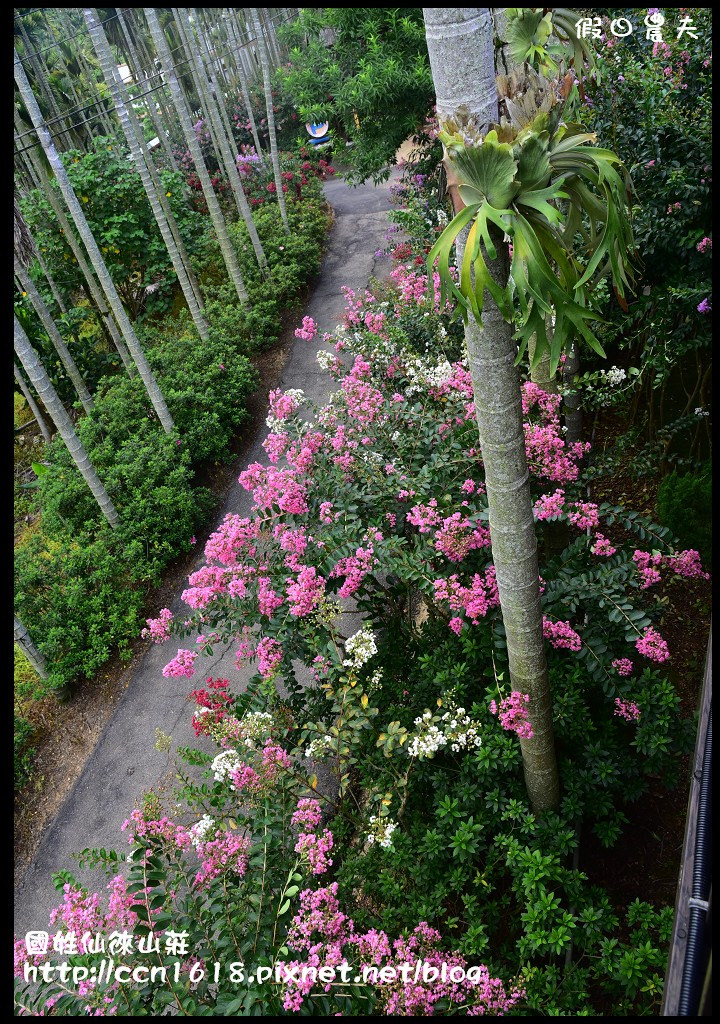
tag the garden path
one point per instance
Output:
(125, 763)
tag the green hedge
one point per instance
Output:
(81, 587)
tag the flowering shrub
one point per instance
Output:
(421, 821)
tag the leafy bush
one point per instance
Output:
(122, 222)
(80, 586)
(685, 506)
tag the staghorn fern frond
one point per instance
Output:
(564, 204)
(529, 31)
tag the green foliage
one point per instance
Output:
(81, 588)
(685, 507)
(654, 109)
(365, 70)
(121, 220)
(22, 750)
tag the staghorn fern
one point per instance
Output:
(538, 180)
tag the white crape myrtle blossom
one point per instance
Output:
(454, 728)
(459, 729)
(201, 829)
(425, 373)
(320, 747)
(361, 647)
(614, 375)
(701, 412)
(326, 360)
(276, 426)
(428, 738)
(381, 830)
(255, 726)
(225, 762)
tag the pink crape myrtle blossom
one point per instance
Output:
(305, 593)
(307, 814)
(270, 654)
(308, 330)
(652, 645)
(283, 404)
(561, 634)
(647, 567)
(586, 516)
(626, 709)
(317, 849)
(513, 713)
(602, 546)
(183, 664)
(549, 505)
(475, 600)
(623, 666)
(329, 938)
(226, 854)
(158, 630)
(687, 563)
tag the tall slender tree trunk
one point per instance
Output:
(212, 103)
(185, 36)
(24, 642)
(95, 292)
(41, 76)
(34, 407)
(262, 53)
(461, 51)
(140, 80)
(49, 397)
(238, 59)
(226, 246)
(148, 378)
(51, 284)
(55, 336)
(153, 190)
(571, 400)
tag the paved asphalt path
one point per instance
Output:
(125, 763)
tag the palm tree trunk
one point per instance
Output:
(160, 191)
(185, 37)
(140, 79)
(34, 407)
(57, 339)
(571, 400)
(270, 37)
(238, 58)
(460, 47)
(41, 76)
(226, 246)
(53, 287)
(213, 104)
(156, 198)
(49, 397)
(95, 291)
(93, 250)
(262, 52)
(33, 655)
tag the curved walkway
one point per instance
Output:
(125, 763)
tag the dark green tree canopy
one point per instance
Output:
(365, 70)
